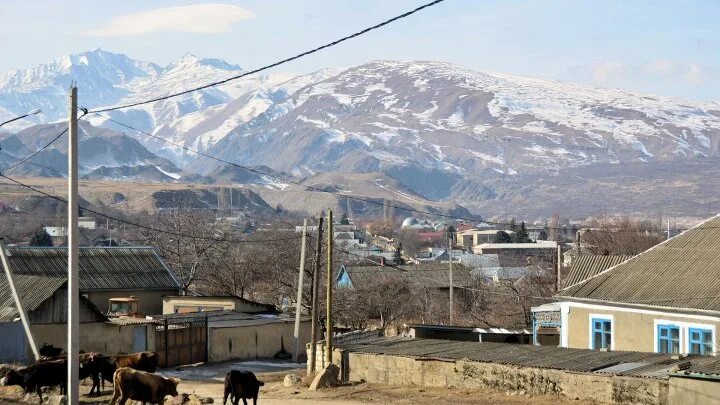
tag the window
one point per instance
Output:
(668, 339)
(700, 341)
(601, 333)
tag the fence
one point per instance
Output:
(180, 341)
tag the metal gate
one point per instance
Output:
(181, 341)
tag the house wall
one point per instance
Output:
(101, 337)
(255, 341)
(54, 310)
(151, 301)
(685, 390)
(632, 329)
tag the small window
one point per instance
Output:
(700, 341)
(601, 334)
(668, 339)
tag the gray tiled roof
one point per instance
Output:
(101, 268)
(428, 274)
(650, 365)
(682, 272)
(586, 266)
(33, 291)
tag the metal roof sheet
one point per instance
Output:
(33, 291)
(586, 266)
(101, 268)
(638, 364)
(682, 272)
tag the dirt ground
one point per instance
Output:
(207, 381)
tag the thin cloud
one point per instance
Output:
(199, 19)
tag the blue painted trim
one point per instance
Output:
(603, 341)
(669, 338)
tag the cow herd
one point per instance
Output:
(132, 377)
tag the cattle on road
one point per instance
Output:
(241, 384)
(142, 386)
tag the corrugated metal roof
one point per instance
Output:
(682, 272)
(638, 364)
(33, 291)
(428, 274)
(586, 266)
(101, 268)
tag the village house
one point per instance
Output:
(44, 300)
(431, 275)
(663, 300)
(105, 273)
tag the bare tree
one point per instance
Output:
(192, 235)
(620, 236)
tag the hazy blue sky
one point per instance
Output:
(663, 47)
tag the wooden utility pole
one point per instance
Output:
(298, 303)
(18, 303)
(315, 297)
(73, 335)
(328, 304)
(451, 277)
(558, 268)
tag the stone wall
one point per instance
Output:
(686, 390)
(396, 370)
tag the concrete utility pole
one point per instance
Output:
(328, 304)
(298, 303)
(452, 307)
(315, 297)
(73, 333)
(18, 303)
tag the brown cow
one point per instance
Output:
(142, 361)
(42, 374)
(241, 384)
(142, 386)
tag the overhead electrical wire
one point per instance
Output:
(275, 64)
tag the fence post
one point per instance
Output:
(192, 358)
(207, 338)
(166, 343)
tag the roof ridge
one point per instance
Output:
(665, 242)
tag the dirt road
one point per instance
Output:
(207, 381)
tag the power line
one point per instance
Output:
(36, 152)
(275, 64)
(149, 228)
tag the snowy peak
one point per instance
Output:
(190, 61)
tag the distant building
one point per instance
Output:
(470, 238)
(431, 275)
(520, 254)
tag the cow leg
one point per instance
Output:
(116, 395)
(226, 396)
(123, 400)
(255, 400)
(39, 392)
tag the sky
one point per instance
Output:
(659, 47)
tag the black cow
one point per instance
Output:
(50, 351)
(43, 374)
(89, 367)
(241, 384)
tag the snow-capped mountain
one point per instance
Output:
(390, 115)
(443, 131)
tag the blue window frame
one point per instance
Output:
(601, 333)
(700, 341)
(668, 339)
